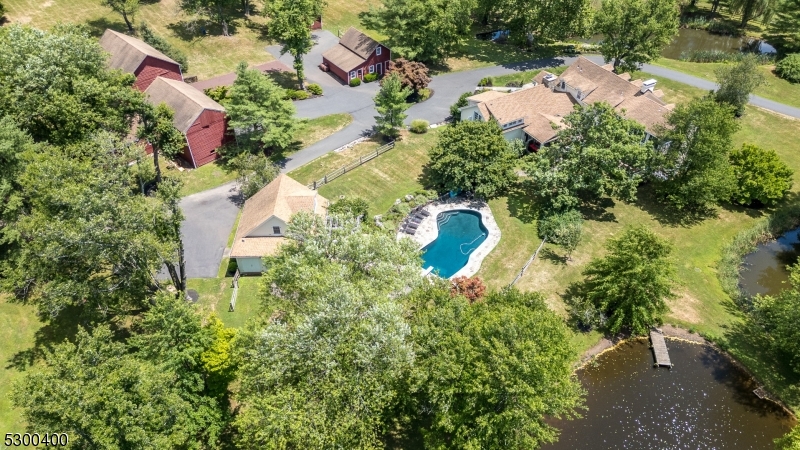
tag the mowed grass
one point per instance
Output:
(776, 88)
(209, 55)
(315, 130)
(389, 176)
(18, 327)
(215, 296)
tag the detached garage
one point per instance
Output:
(199, 118)
(355, 56)
(134, 56)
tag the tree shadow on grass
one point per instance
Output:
(548, 254)
(99, 26)
(521, 204)
(598, 210)
(64, 327)
(668, 215)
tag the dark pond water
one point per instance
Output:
(764, 271)
(691, 40)
(703, 402)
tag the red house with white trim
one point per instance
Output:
(355, 56)
(134, 56)
(199, 118)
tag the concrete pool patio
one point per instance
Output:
(428, 231)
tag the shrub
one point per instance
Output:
(419, 126)
(472, 289)
(761, 176)
(424, 94)
(716, 56)
(315, 89)
(297, 94)
(355, 82)
(218, 94)
(789, 68)
(488, 81)
(370, 77)
(462, 102)
(353, 207)
(514, 84)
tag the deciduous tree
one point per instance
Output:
(784, 29)
(351, 207)
(633, 281)
(413, 75)
(737, 82)
(635, 31)
(753, 9)
(426, 31)
(538, 22)
(127, 9)
(254, 171)
(455, 112)
(218, 11)
(472, 288)
(390, 102)
(290, 24)
(258, 110)
(778, 316)
(564, 229)
(693, 167)
(473, 156)
(470, 358)
(760, 175)
(598, 153)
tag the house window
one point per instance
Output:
(371, 69)
(476, 116)
(276, 230)
(378, 51)
(353, 74)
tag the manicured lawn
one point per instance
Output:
(776, 89)
(387, 177)
(215, 296)
(318, 129)
(209, 55)
(18, 326)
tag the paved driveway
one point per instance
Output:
(210, 216)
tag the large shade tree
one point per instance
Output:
(488, 375)
(158, 129)
(422, 30)
(56, 85)
(290, 24)
(530, 21)
(760, 175)
(633, 281)
(737, 81)
(693, 169)
(473, 156)
(753, 9)
(784, 29)
(635, 31)
(599, 153)
(217, 11)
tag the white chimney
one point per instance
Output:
(648, 85)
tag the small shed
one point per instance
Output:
(198, 117)
(265, 217)
(355, 56)
(139, 58)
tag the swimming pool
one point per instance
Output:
(460, 233)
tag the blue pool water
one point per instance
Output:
(460, 233)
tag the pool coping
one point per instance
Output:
(428, 231)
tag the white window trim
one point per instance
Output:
(372, 69)
(378, 51)
(352, 74)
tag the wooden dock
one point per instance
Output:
(660, 349)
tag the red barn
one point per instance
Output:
(356, 55)
(134, 56)
(201, 119)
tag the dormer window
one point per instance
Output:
(276, 230)
(513, 123)
(378, 50)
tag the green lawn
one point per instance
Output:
(776, 89)
(318, 129)
(215, 296)
(18, 327)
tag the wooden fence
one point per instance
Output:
(522, 272)
(343, 170)
(235, 285)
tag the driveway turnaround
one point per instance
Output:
(210, 216)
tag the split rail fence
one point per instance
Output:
(235, 285)
(349, 167)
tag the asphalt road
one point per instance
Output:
(210, 215)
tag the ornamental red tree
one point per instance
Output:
(471, 288)
(412, 74)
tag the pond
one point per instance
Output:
(460, 233)
(764, 270)
(703, 402)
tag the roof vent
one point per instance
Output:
(648, 85)
(549, 77)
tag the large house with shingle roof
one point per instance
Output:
(265, 217)
(535, 113)
(356, 55)
(139, 58)
(197, 116)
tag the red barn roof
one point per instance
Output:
(187, 102)
(128, 53)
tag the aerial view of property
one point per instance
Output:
(400, 224)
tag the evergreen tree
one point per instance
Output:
(390, 102)
(635, 31)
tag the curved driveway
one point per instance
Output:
(210, 215)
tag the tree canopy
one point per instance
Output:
(598, 153)
(421, 30)
(537, 22)
(737, 82)
(217, 11)
(564, 229)
(635, 31)
(693, 168)
(390, 102)
(158, 128)
(127, 9)
(784, 29)
(473, 156)
(258, 110)
(632, 282)
(413, 75)
(760, 175)
(290, 24)
(753, 9)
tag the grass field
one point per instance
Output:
(18, 327)
(776, 89)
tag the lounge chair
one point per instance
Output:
(424, 213)
(412, 226)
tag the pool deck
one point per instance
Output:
(428, 231)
